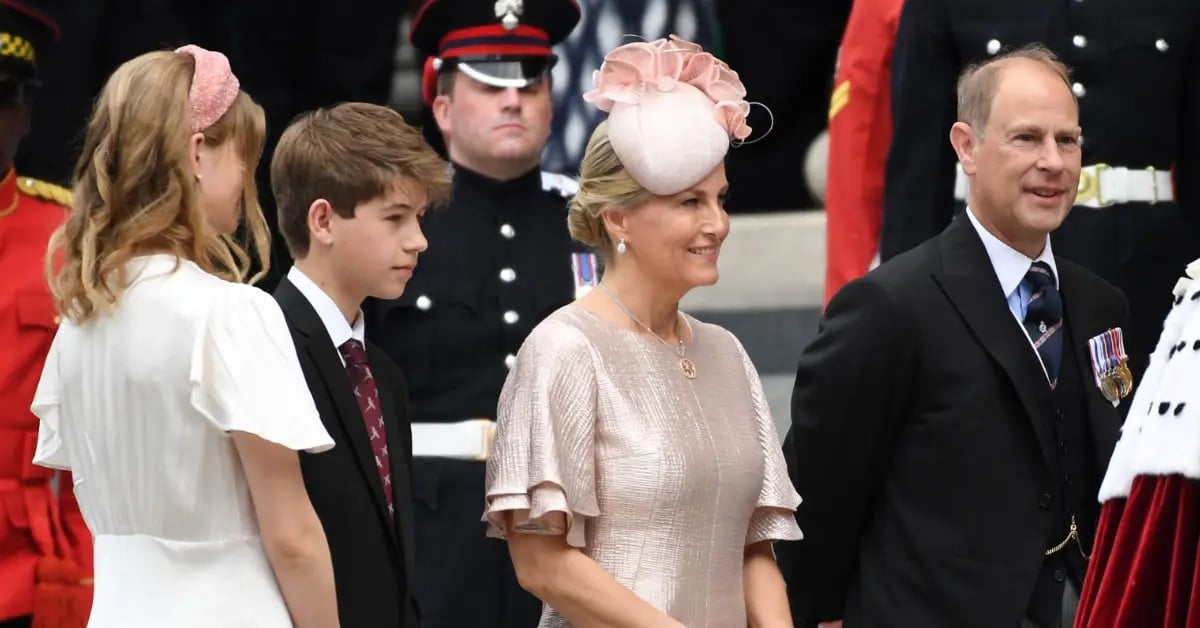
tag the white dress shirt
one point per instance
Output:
(335, 322)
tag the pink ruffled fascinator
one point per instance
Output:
(673, 110)
(214, 87)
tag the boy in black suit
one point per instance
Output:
(351, 183)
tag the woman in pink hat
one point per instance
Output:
(636, 472)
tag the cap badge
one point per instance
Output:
(509, 11)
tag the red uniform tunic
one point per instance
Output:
(860, 130)
(34, 524)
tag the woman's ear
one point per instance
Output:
(195, 143)
(616, 222)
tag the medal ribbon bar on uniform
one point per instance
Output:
(1109, 368)
(584, 267)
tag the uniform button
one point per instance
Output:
(1162, 45)
(1059, 575)
(424, 303)
(511, 317)
(1044, 501)
(510, 360)
(1079, 40)
(57, 320)
(1079, 90)
(507, 275)
(507, 231)
(993, 46)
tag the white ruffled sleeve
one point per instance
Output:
(542, 459)
(774, 516)
(245, 375)
(50, 451)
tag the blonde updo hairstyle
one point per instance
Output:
(134, 189)
(604, 184)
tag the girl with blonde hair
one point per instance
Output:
(172, 390)
(636, 471)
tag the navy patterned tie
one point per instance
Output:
(1043, 317)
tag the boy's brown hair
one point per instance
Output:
(348, 154)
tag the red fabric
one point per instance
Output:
(60, 601)
(860, 130)
(1145, 571)
(429, 77)
(494, 31)
(34, 527)
(367, 394)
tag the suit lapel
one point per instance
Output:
(969, 281)
(399, 437)
(1085, 323)
(319, 348)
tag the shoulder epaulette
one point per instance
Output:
(559, 183)
(44, 190)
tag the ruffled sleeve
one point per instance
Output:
(245, 375)
(774, 516)
(50, 451)
(542, 459)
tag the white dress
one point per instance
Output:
(139, 404)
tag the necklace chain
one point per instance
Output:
(686, 365)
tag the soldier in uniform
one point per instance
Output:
(1136, 75)
(41, 530)
(500, 259)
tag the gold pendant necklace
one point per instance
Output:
(685, 365)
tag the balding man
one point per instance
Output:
(954, 416)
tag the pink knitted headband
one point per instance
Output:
(214, 87)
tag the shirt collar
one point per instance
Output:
(335, 323)
(1010, 264)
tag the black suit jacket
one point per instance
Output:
(372, 557)
(922, 440)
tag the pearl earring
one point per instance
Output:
(621, 248)
(199, 178)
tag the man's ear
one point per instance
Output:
(441, 113)
(964, 140)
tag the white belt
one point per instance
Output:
(1102, 185)
(464, 440)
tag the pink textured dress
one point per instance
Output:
(664, 480)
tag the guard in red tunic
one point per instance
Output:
(45, 546)
(860, 131)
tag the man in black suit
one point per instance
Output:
(351, 184)
(948, 428)
(1136, 71)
